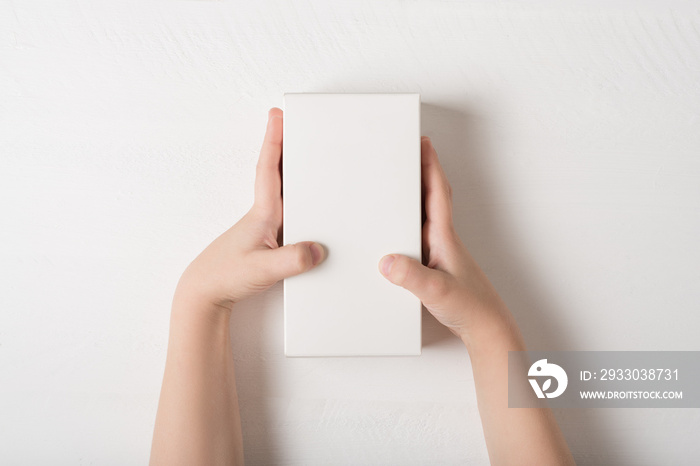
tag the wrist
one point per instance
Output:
(198, 331)
(189, 305)
(498, 333)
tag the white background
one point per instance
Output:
(129, 135)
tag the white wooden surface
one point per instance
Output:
(129, 134)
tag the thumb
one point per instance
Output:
(292, 259)
(427, 284)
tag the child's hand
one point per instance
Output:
(247, 258)
(452, 286)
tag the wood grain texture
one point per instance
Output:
(129, 134)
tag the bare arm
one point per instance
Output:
(455, 290)
(198, 420)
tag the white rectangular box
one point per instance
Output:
(352, 182)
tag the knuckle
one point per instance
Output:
(259, 168)
(436, 286)
(448, 190)
(401, 271)
(302, 258)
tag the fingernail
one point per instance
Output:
(316, 253)
(385, 264)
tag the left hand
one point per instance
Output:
(247, 258)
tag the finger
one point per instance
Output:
(290, 260)
(268, 180)
(428, 285)
(438, 192)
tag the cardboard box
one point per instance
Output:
(352, 182)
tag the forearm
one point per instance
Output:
(198, 419)
(513, 435)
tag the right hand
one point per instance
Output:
(450, 284)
